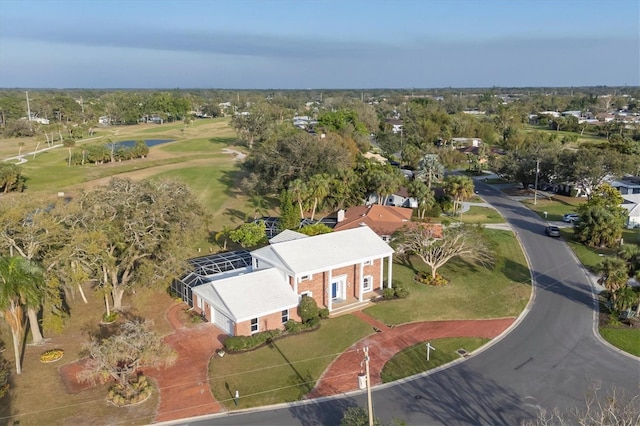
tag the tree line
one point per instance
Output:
(118, 237)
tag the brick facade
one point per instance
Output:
(317, 285)
(319, 282)
(267, 322)
(207, 307)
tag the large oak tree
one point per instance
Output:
(133, 233)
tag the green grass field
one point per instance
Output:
(627, 339)
(585, 138)
(413, 360)
(502, 290)
(477, 214)
(285, 370)
(290, 367)
(555, 207)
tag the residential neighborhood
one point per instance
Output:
(319, 213)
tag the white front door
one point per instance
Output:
(338, 286)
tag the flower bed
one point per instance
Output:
(51, 355)
(136, 392)
(426, 278)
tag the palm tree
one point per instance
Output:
(625, 298)
(20, 283)
(423, 194)
(459, 188)
(222, 237)
(613, 275)
(259, 205)
(318, 190)
(300, 192)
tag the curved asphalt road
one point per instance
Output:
(551, 359)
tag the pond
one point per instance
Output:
(148, 142)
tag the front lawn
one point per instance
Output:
(478, 214)
(474, 292)
(39, 396)
(555, 207)
(590, 257)
(413, 360)
(625, 338)
(285, 370)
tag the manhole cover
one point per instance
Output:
(418, 397)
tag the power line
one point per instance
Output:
(253, 371)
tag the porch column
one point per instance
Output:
(328, 290)
(295, 283)
(360, 282)
(389, 270)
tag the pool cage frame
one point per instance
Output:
(205, 267)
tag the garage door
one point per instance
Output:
(223, 322)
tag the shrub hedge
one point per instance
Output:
(243, 343)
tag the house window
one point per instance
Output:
(305, 277)
(285, 316)
(254, 325)
(368, 262)
(305, 294)
(367, 283)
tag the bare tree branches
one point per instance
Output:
(459, 241)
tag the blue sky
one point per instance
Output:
(273, 44)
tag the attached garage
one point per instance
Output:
(237, 301)
(223, 322)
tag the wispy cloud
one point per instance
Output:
(203, 41)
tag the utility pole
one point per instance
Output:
(369, 403)
(535, 188)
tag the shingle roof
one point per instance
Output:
(251, 295)
(287, 235)
(383, 220)
(326, 251)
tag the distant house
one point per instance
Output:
(630, 190)
(37, 119)
(395, 125)
(375, 157)
(465, 142)
(304, 122)
(383, 220)
(340, 271)
(576, 114)
(153, 118)
(400, 198)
